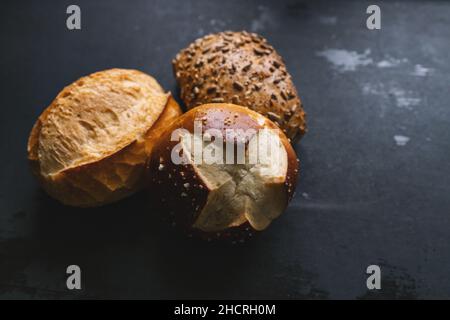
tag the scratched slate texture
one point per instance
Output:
(375, 164)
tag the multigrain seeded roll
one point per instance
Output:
(240, 68)
(216, 198)
(90, 146)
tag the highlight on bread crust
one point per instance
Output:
(206, 193)
(240, 68)
(89, 147)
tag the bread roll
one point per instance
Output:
(225, 199)
(240, 68)
(89, 147)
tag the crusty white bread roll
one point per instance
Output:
(89, 147)
(228, 200)
(240, 68)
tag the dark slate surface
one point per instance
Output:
(362, 199)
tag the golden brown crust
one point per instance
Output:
(99, 175)
(96, 116)
(240, 68)
(181, 190)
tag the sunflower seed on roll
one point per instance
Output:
(244, 69)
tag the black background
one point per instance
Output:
(361, 199)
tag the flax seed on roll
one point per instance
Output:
(240, 68)
(216, 196)
(90, 146)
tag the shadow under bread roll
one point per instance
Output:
(89, 147)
